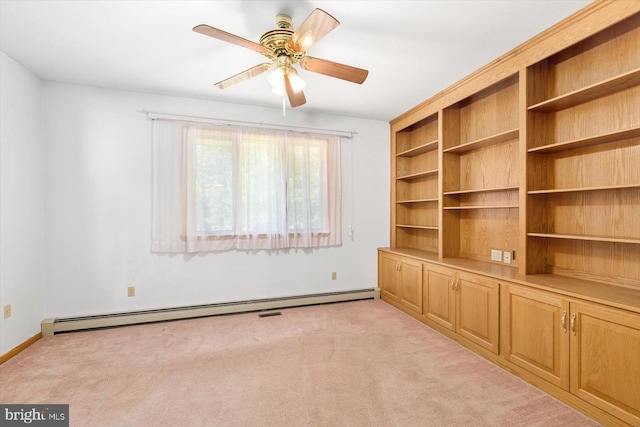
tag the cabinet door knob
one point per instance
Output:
(573, 323)
(563, 321)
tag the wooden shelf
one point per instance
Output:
(419, 227)
(417, 201)
(480, 207)
(480, 190)
(584, 189)
(588, 93)
(484, 142)
(587, 238)
(588, 141)
(418, 175)
(416, 151)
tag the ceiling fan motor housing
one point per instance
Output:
(277, 41)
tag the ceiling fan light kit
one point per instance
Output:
(284, 47)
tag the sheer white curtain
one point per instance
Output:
(221, 188)
(168, 209)
(314, 202)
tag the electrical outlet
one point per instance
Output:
(334, 275)
(496, 255)
(7, 311)
(131, 291)
(506, 257)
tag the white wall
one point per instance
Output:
(98, 169)
(21, 203)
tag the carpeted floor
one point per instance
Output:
(349, 364)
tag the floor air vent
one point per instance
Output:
(275, 313)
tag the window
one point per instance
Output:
(243, 188)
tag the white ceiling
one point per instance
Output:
(412, 49)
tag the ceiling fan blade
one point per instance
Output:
(295, 99)
(245, 75)
(334, 69)
(228, 37)
(316, 26)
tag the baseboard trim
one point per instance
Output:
(14, 351)
(69, 324)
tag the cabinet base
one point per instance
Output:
(560, 394)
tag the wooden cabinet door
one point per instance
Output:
(410, 284)
(388, 276)
(535, 333)
(438, 298)
(478, 310)
(605, 359)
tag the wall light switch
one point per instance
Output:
(506, 257)
(496, 255)
(131, 291)
(334, 275)
(7, 311)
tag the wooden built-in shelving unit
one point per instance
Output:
(415, 171)
(583, 148)
(536, 155)
(480, 145)
(541, 162)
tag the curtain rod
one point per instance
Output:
(224, 122)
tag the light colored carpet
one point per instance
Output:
(350, 364)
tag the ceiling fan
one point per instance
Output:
(284, 47)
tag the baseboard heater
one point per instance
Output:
(68, 324)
